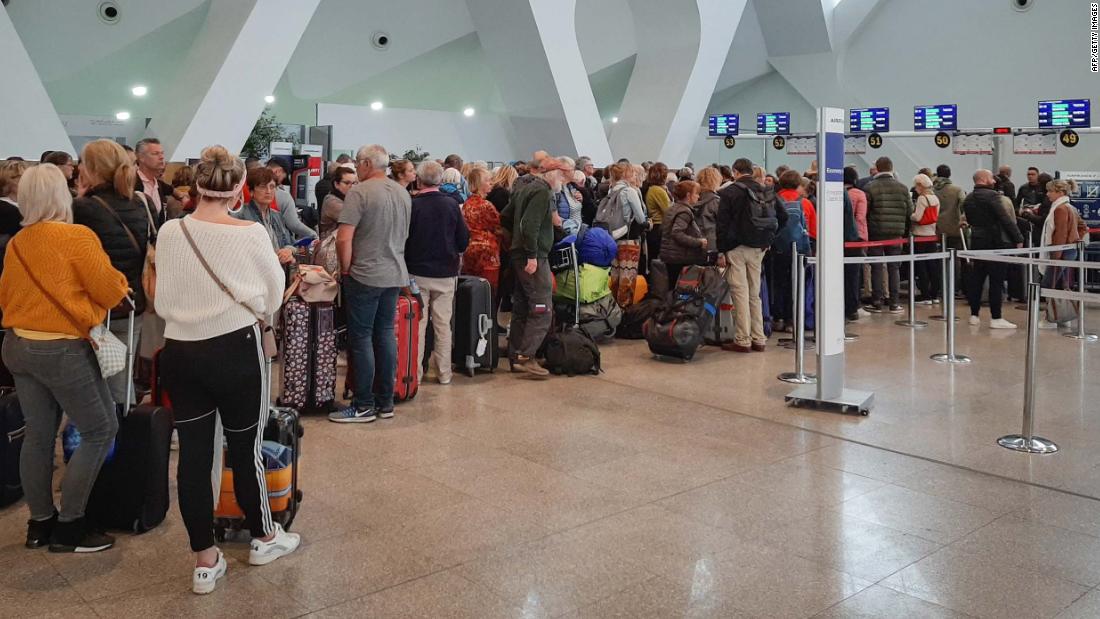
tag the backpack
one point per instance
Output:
(610, 215)
(763, 225)
(794, 231)
(572, 352)
(930, 215)
(595, 246)
(635, 317)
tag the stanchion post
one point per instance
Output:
(1080, 334)
(943, 283)
(1030, 269)
(794, 286)
(912, 321)
(799, 375)
(1026, 441)
(949, 295)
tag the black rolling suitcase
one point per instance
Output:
(474, 326)
(12, 429)
(131, 492)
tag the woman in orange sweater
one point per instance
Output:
(482, 256)
(57, 284)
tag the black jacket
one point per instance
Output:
(991, 226)
(323, 188)
(499, 196)
(1005, 186)
(120, 249)
(734, 215)
(1029, 194)
(437, 235)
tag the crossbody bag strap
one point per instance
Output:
(57, 305)
(129, 233)
(209, 271)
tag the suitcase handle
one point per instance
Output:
(484, 326)
(130, 353)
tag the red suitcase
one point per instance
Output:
(406, 326)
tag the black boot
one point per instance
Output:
(39, 531)
(79, 536)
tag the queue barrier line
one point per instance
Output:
(980, 255)
(1070, 295)
(1013, 251)
(885, 259)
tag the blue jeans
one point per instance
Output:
(51, 376)
(371, 342)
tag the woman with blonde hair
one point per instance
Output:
(482, 256)
(706, 209)
(109, 206)
(1063, 226)
(218, 282)
(57, 285)
(502, 181)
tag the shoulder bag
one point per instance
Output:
(110, 352)
(270, 347)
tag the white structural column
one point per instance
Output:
(236, 60)
(678, 65)
(28, 121)
(532, 48)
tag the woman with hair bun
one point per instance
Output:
(119, 218)
(213, 362)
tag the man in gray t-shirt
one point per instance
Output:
(370, 241)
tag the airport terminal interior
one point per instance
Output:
(782, 308)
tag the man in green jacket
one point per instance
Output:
(889, 206)
(952, 219)
(529, 218)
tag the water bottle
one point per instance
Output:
(413, 288)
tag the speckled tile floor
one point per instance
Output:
(664, 490)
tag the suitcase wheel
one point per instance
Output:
(300, 431)
(298, 496)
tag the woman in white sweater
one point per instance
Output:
(217, 278)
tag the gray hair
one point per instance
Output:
(569, 163)
(375, 154)
(452, 175)
(582, 162)
(44, 195)
(142, 143)
(430, 173)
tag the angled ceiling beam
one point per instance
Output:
(678, 65)
(532, 48)
(237, 59)
(29, 123)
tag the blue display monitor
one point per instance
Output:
(936, 117)
(1065, 113)
(773, 123)
(721, 125)
(869, 120)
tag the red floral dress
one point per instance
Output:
(482, 257)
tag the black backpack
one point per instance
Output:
(572, 352)
(763, 225)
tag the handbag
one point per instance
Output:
(1061, 310)
(110, 352)
(267, 334)
(313, 284)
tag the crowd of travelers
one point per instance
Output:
(202, 261)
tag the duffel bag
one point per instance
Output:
(635, 316)
(594, 284)
(601, 318)
(572, 352)
(677, 335)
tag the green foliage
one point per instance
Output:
(414, 155)
(266, 131)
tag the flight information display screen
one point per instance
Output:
(936, 117)
(721, 125)
(869, 120)
(1065, 113)
(773, 123)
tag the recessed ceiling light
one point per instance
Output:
(468, 111)
(614, 119)
(269, 99)
(377, 105)
(139, 91)
(122, 116)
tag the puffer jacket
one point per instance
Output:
(130, 260)
(889, 206)
(706, 215)
(681, 237)
(951, 198)
(991, 225)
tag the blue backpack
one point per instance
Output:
(794, 231)
(595, 246)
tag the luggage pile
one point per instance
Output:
(569, 348)
(689, 317)
(593, 308)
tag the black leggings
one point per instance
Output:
(227, 376)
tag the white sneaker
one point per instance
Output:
(862, 313)
(1001, 323)
(206, 578)
(975, 321)
(281, 544)
(1046, 324)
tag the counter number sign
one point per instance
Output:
(1069, 138)
(943, 139)
(729, 141)
(779, 142)
(874, 140)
